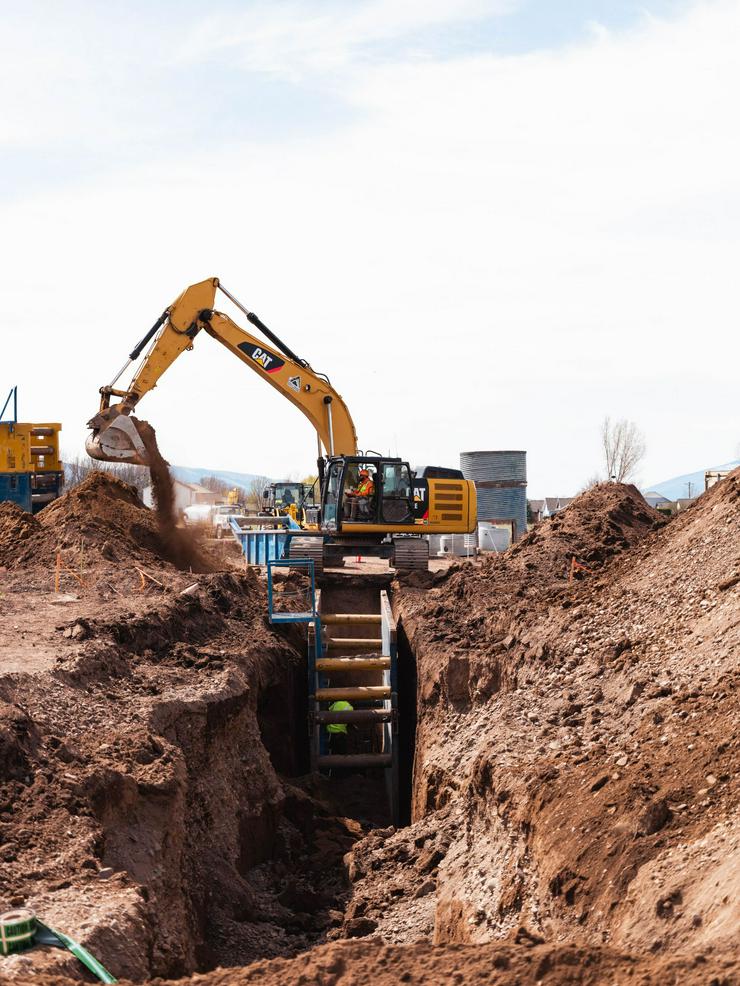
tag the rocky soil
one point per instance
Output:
(577, 748)
(574, 798)
(144, 715)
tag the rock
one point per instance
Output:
(633, 693)
(655, 816)
(526, 937)
(359, 927)
(429, 859)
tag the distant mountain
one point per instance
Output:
(678, 487)
(191, 474)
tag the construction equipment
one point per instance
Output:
(388, 523)
(31, 473)
(295, 500)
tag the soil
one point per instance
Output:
(143, 722)
(178, 544)
(575, 770)
(574, 794)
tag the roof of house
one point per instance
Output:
(195, 487)
(557, 502)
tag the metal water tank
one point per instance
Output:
(500, 479)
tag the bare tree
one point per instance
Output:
(256, 489)
(623, 448)
(78, 468)
(216, 485)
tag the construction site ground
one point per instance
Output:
(571, 776)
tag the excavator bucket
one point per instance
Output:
(116, 440)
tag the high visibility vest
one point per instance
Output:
(338, 727)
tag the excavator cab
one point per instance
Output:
(293, 499)
(369, 493)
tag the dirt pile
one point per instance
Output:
(602, 522)
(16, 526)
(140, 808)
(372, 963)
(575, 772)
(99, 523)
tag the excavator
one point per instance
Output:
(387, 522)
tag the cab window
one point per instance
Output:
(332, 493)
(397, 494)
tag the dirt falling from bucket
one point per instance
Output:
(179, 544)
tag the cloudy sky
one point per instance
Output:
(491, 222)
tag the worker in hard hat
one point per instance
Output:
(361, 496)
(338, 730)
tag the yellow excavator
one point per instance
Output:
(371, 504)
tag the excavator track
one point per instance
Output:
(411, 554)
(312, 548)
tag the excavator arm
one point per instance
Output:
(115, 437)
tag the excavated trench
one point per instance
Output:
(238, 852)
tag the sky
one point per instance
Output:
(490, 222)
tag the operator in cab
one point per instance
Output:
(360, 498)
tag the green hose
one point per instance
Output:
(45, 936)
(21, 929)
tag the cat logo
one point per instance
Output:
(294, 383)
(269, 362)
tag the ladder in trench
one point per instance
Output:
(361, 671)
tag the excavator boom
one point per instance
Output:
(115, 437)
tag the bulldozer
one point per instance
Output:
(370, 504)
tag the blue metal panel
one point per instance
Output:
(16, 486)
(261, 547)
(494, 465)
(500, 479)
(504, 504)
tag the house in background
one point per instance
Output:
(540, 509)
(186, 494)
(656, 500)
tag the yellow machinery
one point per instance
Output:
(31, 473)
(291, 499)
(400, 504)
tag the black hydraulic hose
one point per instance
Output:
(137, 350)
(257, 321)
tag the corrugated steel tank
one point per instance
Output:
(501, 485)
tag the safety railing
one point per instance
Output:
(293, 600)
